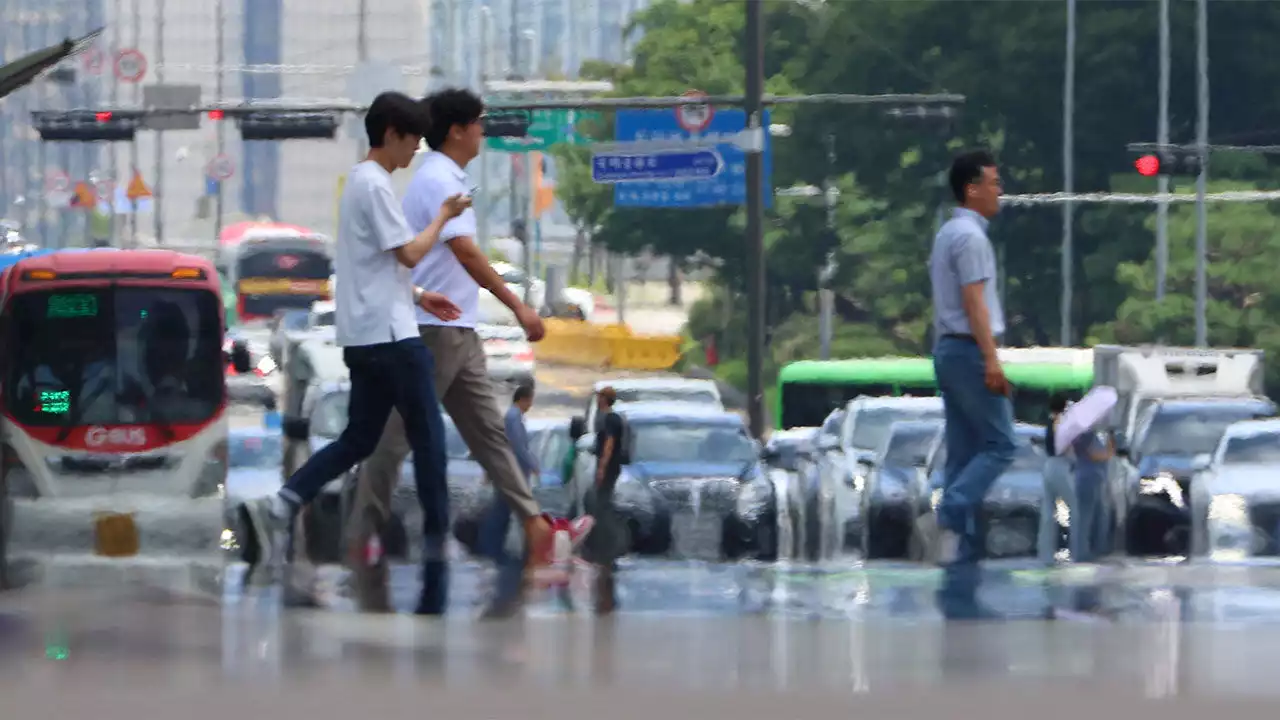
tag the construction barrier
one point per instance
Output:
(574, 342)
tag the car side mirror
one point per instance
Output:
(240, 360)
(1201, 462)
(769, 455)
(577, 427)
(828, 443)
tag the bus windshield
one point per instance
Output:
(114, 356)
(808, 404)
(277, 278)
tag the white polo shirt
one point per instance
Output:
(435, 181)
(372, 290)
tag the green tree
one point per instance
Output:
(1242, 309)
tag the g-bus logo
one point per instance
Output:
(99, 436)
(287, 262)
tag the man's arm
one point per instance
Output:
(394, 234)
(971, 269)
(412, 253)
(606, 454)
(470, 257)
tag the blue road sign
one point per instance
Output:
(681, 166)
(728, 187)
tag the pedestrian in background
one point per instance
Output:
(968, 322)
(1058, 485)
(496, 523)
(1091, 456)
(610, 539)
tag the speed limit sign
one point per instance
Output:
(131, 66)
(694, 118)
(220, 168)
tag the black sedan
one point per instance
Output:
(897, 489)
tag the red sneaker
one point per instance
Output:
(566, 536)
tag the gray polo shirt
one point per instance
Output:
(962, 255)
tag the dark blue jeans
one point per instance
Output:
(385, 376)
(979, 437)
(492, 543)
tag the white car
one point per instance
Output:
(508, 354)
(514, 276)
(1235, 494)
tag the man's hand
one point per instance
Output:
(454, 206)
(531, 323)
(440, 306)
(994, 379)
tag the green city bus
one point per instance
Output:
(808, 390)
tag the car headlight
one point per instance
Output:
(1230, 509)
(1062, 513)
(857, 478)
(935, 499)
(1162, 483)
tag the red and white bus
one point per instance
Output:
(275, 266)
(113, 395)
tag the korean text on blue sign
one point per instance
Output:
(727, 187)
(679, 165)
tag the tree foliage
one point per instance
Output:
(1007, 59)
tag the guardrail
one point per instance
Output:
(574, 342)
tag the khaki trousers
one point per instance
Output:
(463, 385)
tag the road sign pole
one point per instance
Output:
(754, 107)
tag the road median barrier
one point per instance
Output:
(574, 342)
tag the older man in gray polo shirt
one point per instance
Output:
(968, 320)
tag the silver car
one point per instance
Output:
(1235, 495)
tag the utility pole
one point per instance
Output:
(482, 212)
(157, 199)
(219, 10)
(113, 157)
(826, 297)
(1202, 180)
(362, 55)
(1068, 175)
(133, 146)
(1162, 138)
(753, 103)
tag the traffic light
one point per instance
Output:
(506, 123)
(84, 126)
(289, 126)
(1168, 162)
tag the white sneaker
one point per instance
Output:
(948, 546)
(269, 528)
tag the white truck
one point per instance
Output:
(1142, 375)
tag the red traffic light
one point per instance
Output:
(215, 114)
(102, 117)
(1148, 165)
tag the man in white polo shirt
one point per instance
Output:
(459, 269)
(389, 366)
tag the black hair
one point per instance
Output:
(966, 170)
(523, 392)
(397, 112)
(449, 107)
(1057, 402)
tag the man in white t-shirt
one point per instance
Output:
(389, 366)
(459, 269)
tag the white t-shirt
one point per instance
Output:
(372, 290)
(435, 181)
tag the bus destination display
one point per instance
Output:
(77, 305)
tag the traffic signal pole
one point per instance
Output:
(1202, 180)
(1162, 137)
(754, 107)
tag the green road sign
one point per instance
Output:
(547, 128)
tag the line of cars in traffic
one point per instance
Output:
(1192, 475)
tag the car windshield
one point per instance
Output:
(668, 394)
(1260, 449)
(254, 451)
(294, 320)
(871, 425)
(909, 447)
(1191, 430)
(114, 356)
(690, 442)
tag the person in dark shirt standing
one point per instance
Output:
(608, 540)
